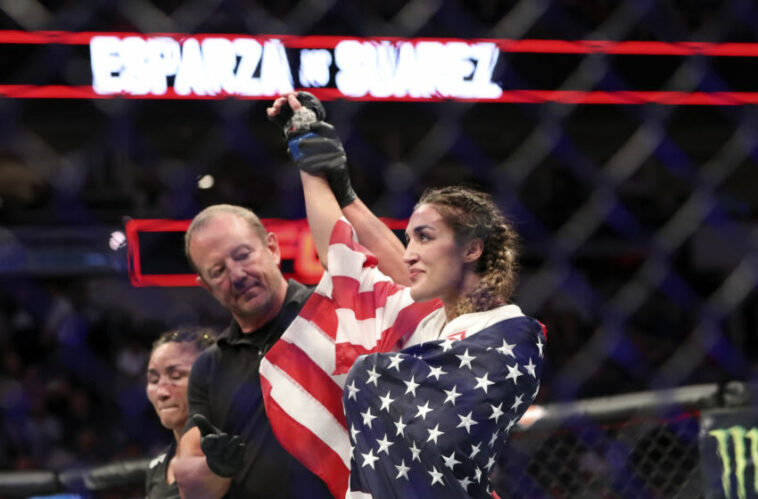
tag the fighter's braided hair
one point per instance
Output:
(199, 338)
(472, 214)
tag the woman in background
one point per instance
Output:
(168, 371)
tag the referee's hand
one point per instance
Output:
(223, 452)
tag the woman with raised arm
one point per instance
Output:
(432, 376)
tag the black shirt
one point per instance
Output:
(225, 386)
(156, 486)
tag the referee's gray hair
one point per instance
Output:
(211, 212)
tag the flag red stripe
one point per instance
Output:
(299, 366)
(310, 450)
(391, 338)
(405, 324)
(364, 304)
(319, 311)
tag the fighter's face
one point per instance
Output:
(167, 377)
(238, 268)
(435, 261)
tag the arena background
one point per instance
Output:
(638, 218)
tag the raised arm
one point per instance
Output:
(322, 209)
(317, 149)
(377, 237)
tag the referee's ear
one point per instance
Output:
(201, 282)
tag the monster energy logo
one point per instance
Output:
(741, 439)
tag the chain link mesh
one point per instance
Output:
(644, 459)
(638, 221)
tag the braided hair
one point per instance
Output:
(199, 338)
(472, 214)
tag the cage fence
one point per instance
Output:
(639, 445)
(637, 218)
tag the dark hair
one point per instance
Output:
(472, 214)
(198, 337)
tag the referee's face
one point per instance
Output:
(239, 269)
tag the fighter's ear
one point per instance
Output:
(473, 250)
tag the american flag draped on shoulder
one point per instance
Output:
(431, 420)
(403, 410)
(354, 310)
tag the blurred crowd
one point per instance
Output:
(72, 383)
(72, 380)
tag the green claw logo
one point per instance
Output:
(743, 442)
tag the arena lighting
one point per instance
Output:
(155, 251)
(206, 182)
(116, 240)
(219, 66)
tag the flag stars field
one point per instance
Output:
(386, 401)
(497, 411)
(352, 391)
(373, 376)
(436, 372)
(395, 361)
(402, 470)
(434, 433)
(400, 427)
(423, 410)
(368, 417)
(452, 394)
(466, 359)
(530, 368)
(411, 386)
(507, 349)
(369, 459)
(466, 422)
(450, 461)
(447, 344)
(384, 445)
(513, 373)
(483, 382)
(518, 401)
(436, 476)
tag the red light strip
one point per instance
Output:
(506, 45)
(647, 48)
(295, 243)
(621, 97)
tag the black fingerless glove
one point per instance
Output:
(292, 123)
(223, 452)
(319, 150)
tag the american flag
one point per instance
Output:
(403, 409)
(431, 420)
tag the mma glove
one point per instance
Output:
(320, 151)
(223, 452)
(315, 145)
(296, 123)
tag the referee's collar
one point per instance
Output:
(265, 336)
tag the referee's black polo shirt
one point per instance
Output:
(225, 386)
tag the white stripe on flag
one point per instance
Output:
(358, 495)
(344, 261)
(301, 406)
(358, 332)
(316, 344)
